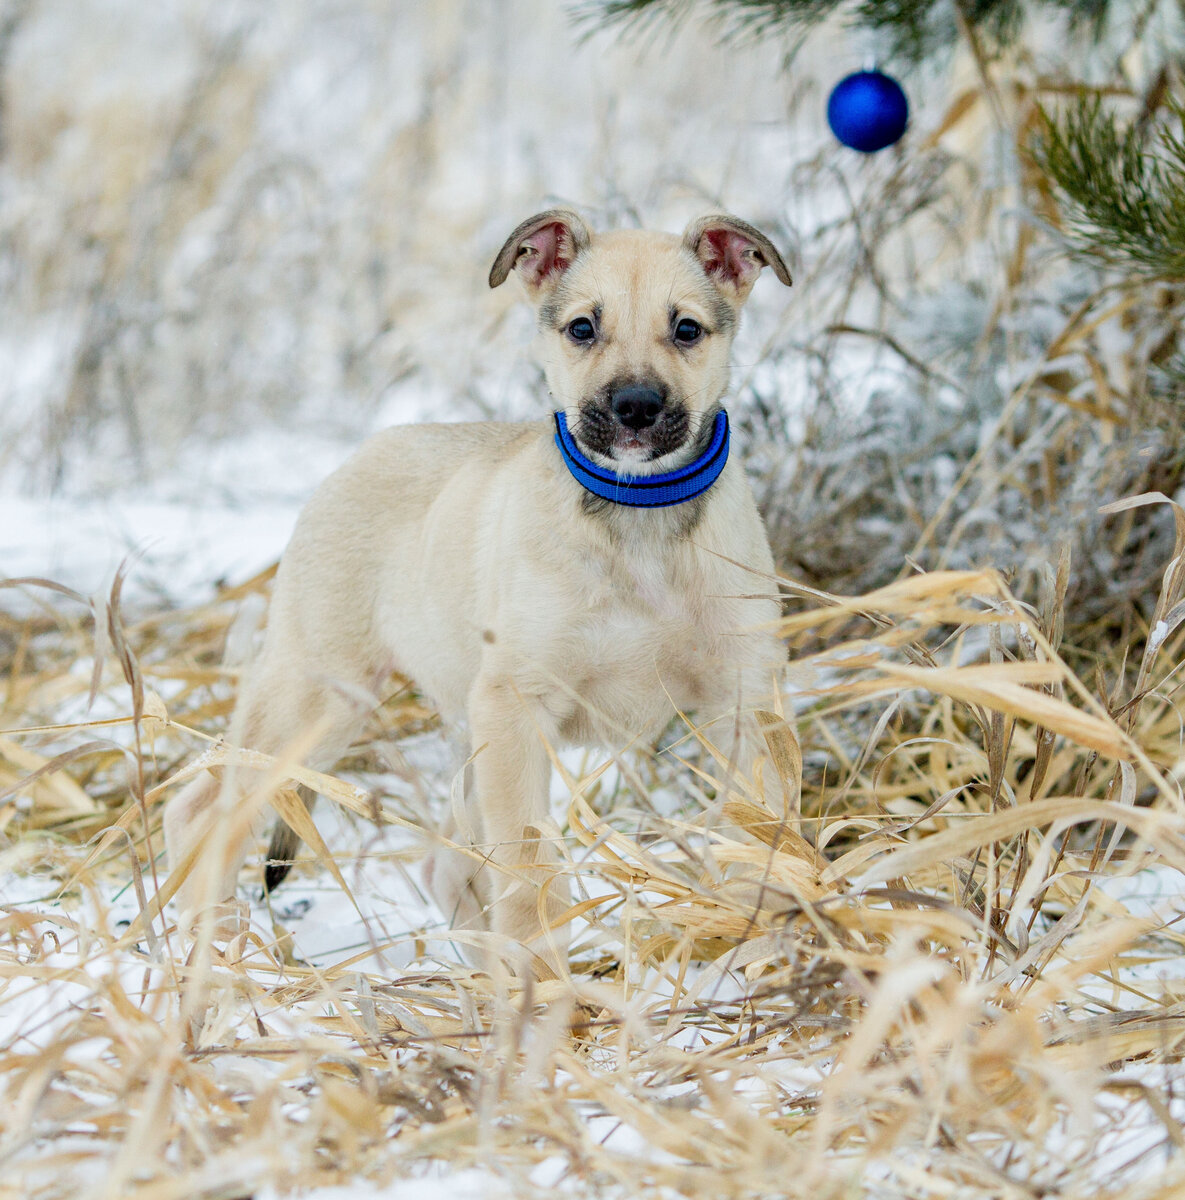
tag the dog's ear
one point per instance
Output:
(541, 249)
(732, 254)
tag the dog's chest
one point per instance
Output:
(649, 632)
(656, 592)
(652, 588)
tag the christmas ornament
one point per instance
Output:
(868, 111)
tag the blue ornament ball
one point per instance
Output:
(868, 111)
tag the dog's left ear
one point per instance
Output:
(732, 254)
(541, 249)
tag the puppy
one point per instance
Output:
(575, 580)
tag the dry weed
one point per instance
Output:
(940, 979)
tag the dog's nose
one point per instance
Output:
(637, 407)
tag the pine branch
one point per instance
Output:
(913, 29)
(739, 17)
(1124, 190)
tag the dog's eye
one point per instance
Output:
(581, 330)
(688, 331)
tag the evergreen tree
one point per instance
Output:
(1039, 369)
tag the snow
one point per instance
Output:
(1156, 637)
(438, 1184)
(179, 550)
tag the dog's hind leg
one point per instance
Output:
(206, 845)
(287, 710)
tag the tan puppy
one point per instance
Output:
(471, 558)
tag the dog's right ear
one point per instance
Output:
(541, 249)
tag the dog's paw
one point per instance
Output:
(450, 879)
(217, 923)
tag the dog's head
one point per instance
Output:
(636, 327)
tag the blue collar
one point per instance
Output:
(646, 491)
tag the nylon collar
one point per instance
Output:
(646, 491)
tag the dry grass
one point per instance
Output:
(950, 998)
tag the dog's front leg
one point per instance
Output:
(512, 776)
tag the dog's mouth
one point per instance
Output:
(599, 431)
(628, 445)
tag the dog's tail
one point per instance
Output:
(281, 851)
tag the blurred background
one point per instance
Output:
(235, 238)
